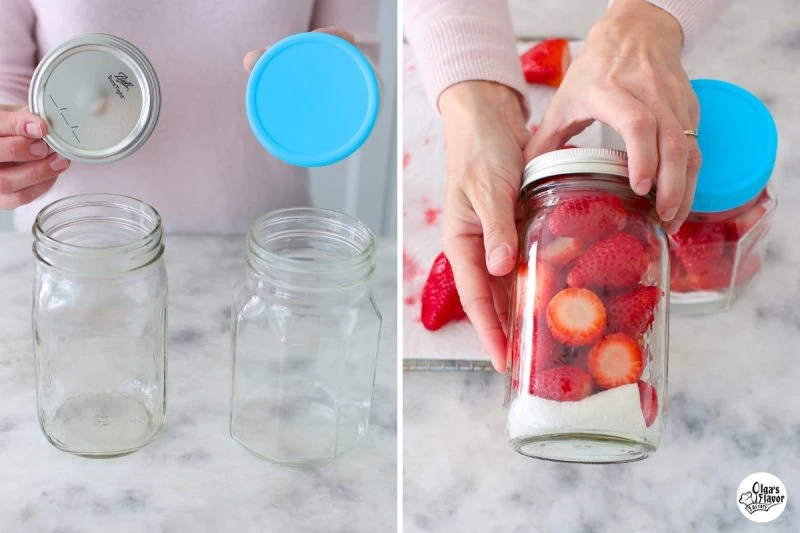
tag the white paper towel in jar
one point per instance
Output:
(423, 191)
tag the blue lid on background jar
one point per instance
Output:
(738, 141)
(312, 99)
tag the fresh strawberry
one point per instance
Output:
(616, 360)
(717, 276)
(562, 250)
(698, 245)
(738, 227)
(547, 351)
(546, 62)
(632, 312)
(440, 301)
(587, 217)
(649, 400)
(562, 384)
(548, 283)
(576, 317)
(617, 262)
(677, 277)
(641, 228)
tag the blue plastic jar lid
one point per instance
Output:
(312, 99)
(738, 141)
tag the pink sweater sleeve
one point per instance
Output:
(17, 50)
(359, 17)
(461, 40)
(694, 16)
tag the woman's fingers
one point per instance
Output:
(251, 57)
(25, 196)
(18, 149)
(22, 124)
(493, 200)
(466, 256)
(17, 177)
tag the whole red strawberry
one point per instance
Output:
(546, 62)
(587, 217)
(632, 312)
(563, 384)
(617, 262)
(440, 301)
(698, 245)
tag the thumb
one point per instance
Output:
(494, 205)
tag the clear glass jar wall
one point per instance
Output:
(99, 324)
(305, 337)
(716, 256)
(588, 338)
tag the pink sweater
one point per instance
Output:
(202, 168)
(460, 40)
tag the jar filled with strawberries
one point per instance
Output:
(719, 250)
(587, 365)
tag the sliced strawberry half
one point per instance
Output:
(698, 245)
(576, 317)
(588, 217)
(440, 301)
(546, 62)
(616, 360)
(718, 276)
(562, 251)
(649, 400)
(562, 384)
(617, 262)
(632, 312)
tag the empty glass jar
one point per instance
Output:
(99, 324)
(305, 337)
(588, 333)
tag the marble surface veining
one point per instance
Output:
(734, 407)
(193, 478)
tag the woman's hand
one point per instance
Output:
(252, 56)
(27, 170)
(629, 76)
(485, 134)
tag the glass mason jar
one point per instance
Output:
(588, 333)
(718, 252)
(305, 337)
(99, 324)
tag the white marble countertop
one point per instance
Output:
(194, 478)
(733, 401)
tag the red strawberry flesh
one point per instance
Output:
(588, 217)
(563, 384)
(617, 262)
(546, 62)
(632, 312)
(440, 301)
(649, 400)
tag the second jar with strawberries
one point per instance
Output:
(587, 365)
(719, 250)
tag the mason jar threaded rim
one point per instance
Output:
(137, 242)
(343, 246)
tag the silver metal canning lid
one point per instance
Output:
(576, 161)
(100, 96)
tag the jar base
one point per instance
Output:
(101, 425)
(587, 448)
